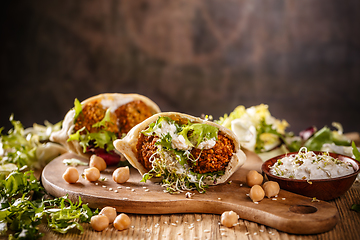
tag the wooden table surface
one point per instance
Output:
(207, 226)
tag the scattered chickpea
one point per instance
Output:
(122, 222)
(98, 162)
(71, 175)
(92, 174)
(254, 178)
(121, 174)
(110, 212)
(271, 189)
(256, 193)
(229, 218)
(99, 222)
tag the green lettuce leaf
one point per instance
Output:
(355, 151)
(198, 133)
(77, 108)
(321, 137)
(156, 125)
(105, 120)
(102, 139)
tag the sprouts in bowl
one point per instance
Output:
(316, 174)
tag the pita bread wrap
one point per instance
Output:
(182, 151)
(92, 125)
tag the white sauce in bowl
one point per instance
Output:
(307, 165)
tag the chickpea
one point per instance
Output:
(110, 212)
(121, 174)
(99, 222)
(256, 193)
(229, 218)
(98, 162)
(92, 174)
(254, 178)
(271, 188)
(71, 175)
(122, 222)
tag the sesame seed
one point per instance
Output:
(103, 186)
(241, 184)
(283, 198)
(116, 191)
(96, 183)
(133, 190)
(110, 189)
(128, 187)
(146, 190)
(219, 199)
(256, 202)
(206, 231)
(274, 199)
(119, 187)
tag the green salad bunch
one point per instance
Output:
(25, 147)
(23, 208)
(23, 202)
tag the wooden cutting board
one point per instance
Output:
(288, 212)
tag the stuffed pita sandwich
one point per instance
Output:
(92, 125)
(182, 151)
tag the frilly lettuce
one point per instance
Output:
(102, 139)
(20, 147)
(256, 129)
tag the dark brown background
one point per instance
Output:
(302, 58)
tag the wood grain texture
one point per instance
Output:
(206, 226)
(203, 56)
(288, 212)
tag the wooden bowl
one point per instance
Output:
(323, 189)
